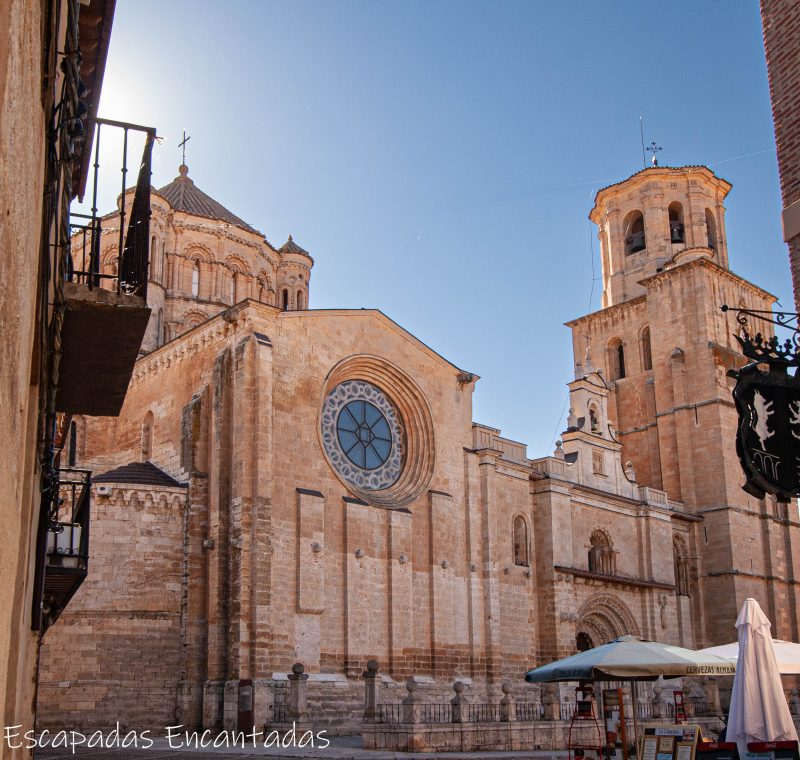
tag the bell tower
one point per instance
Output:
(655, 218)
(663, 347)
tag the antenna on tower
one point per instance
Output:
(641, 134)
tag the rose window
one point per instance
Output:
(362, 435)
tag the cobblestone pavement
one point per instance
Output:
(341, 748)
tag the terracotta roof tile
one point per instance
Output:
(139, 473)
(183, 195)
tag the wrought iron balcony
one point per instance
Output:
(106, 313)
(67, 542)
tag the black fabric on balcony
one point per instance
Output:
(139, 473)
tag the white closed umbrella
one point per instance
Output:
(759, 712)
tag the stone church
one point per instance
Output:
(294, 484)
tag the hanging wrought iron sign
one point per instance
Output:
(768, 403)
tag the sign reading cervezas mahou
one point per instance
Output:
(768, 403)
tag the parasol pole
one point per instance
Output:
(634, 700)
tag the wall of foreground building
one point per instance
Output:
(21, 167)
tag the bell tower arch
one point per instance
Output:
(654, 218)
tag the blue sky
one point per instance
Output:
(439, 158)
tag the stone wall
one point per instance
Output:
(781, 21)
(117, 652)
(22, 141)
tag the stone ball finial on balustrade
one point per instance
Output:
(372, 683)
(297, 709)
(459, 703)
(508, 707)
(412, 704)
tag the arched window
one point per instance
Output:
(602, 558)
(594, 419)
(300, 299)
(647, 353)
(681, 562)
(153, 253)
(196, 279)
(616, 359)
(520, 542)
(711, 230)
(234, 278)
(676, 228)
(73, 444)
(284, 299)
(633, 232)
(147, 437)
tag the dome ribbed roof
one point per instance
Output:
(183, 195)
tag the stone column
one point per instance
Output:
(372, 688)
(412, 709)
(458, 704)
(508, 708)
(297, 710)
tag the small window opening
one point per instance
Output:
(676, 228)
(73, 444)
(647, 352)
(711, 230)
(616, 359)
(147, 437)
(520, 542)
(634, 232)
(594, 422)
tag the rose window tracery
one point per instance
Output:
(362, 435)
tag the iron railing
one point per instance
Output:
(279, 713)
(126, 267)
(68, 524)
(529, 711)
(483, 713)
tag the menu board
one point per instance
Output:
(660, 741)
(785, 750)
(718, 751)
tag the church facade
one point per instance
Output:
(289, 484)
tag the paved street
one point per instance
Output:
(341, 748)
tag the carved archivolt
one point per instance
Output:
(198, 252)
(604, 617)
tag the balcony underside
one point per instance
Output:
(100, 341)
(60, 585)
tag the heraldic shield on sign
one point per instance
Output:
(768, 403)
